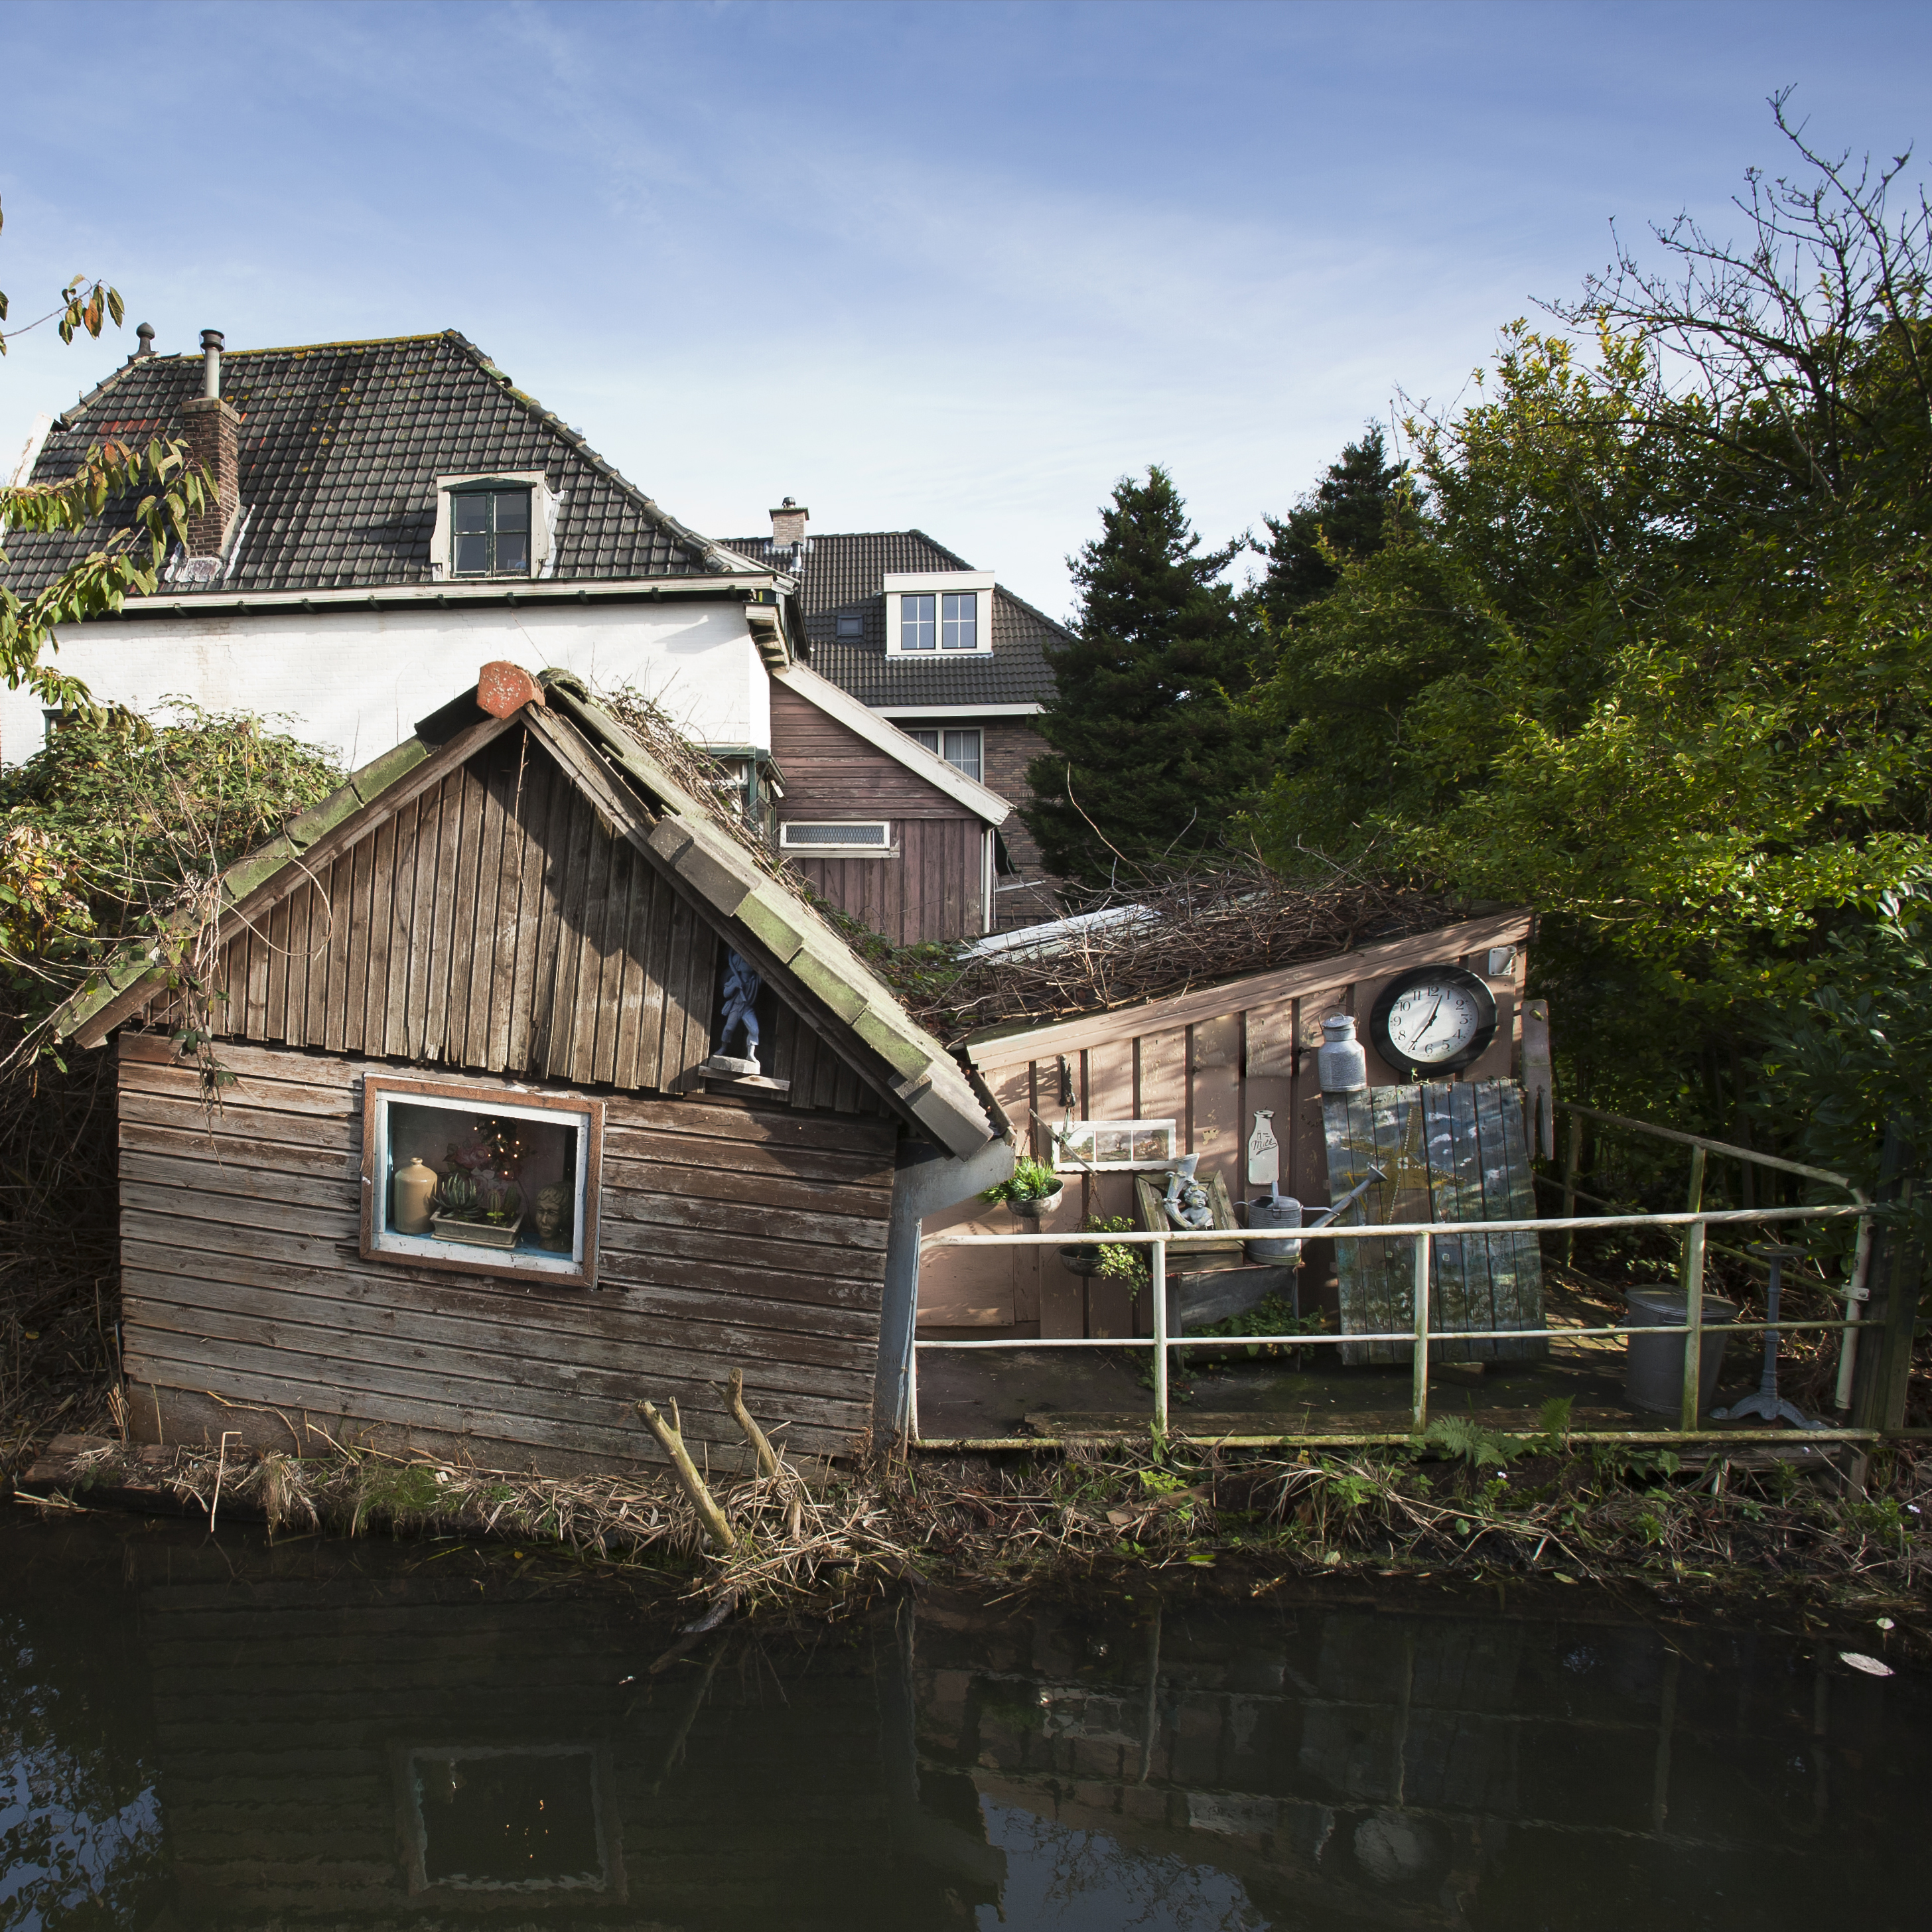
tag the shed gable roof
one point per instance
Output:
(340, 445)
(536, 894)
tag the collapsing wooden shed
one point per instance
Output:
(451, 1166)
(1131, 1089)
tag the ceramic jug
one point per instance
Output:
(414, 1183)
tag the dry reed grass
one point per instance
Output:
(1741, 1523)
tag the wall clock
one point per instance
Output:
(1433, 1022)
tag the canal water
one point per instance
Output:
(209, 1733)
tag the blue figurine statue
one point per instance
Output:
(742, 985)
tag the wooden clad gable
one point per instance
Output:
(933, 885)
(494, 921)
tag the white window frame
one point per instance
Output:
(832, 849)
(919, 734)
(1084, 1135)
(938, 584)
(382, 1092)
(543, 523)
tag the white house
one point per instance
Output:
(390, 514)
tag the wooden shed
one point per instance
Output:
(1188, 1071)
(885, 829)
(495, 958)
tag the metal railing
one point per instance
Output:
(1695, 1220)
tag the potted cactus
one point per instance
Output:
(485, 1211)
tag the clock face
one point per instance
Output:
(1435, 1020)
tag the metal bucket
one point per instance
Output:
(1270, 1212)
(1654, 1378)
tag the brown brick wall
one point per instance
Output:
(1009, 746)
(212, 425)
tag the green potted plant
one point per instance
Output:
(1114, 1260)
(1031, 1190)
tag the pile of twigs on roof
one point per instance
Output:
(705, 779)
(1165, 932)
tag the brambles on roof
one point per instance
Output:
(1177, 930)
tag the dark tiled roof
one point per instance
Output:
(340, 445)
(843, 574)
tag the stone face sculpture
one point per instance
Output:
(551, 1210)
(1187, 1203)
(742, 987)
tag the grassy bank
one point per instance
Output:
(1747, 1527)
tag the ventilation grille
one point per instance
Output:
(864, 836)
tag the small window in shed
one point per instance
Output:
(485, 1180)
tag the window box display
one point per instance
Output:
(501, 1181)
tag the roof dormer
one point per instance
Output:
(496, 523)
(932, 614)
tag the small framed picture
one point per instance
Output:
(1113, 1147)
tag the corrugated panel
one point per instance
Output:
(1452, 1151)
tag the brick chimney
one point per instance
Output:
(788, 523)
(212, 444)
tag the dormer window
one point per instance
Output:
(489, 533)
(938, 613)
(493, 525)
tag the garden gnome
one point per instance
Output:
(742, 985)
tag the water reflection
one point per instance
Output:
(204, 1735)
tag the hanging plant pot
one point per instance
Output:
(1031, 1206)
(1082, 1258)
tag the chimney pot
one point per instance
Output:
(210, 368)
(788, 522)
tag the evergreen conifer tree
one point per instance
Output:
(1150, 753)
(1353, 508)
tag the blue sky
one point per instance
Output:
(953, 266)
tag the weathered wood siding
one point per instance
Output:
(493, 922)
(731, 1236)
(933, 888)
(1208, 1060)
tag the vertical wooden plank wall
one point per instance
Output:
(1111, 1087)
(489, 924)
